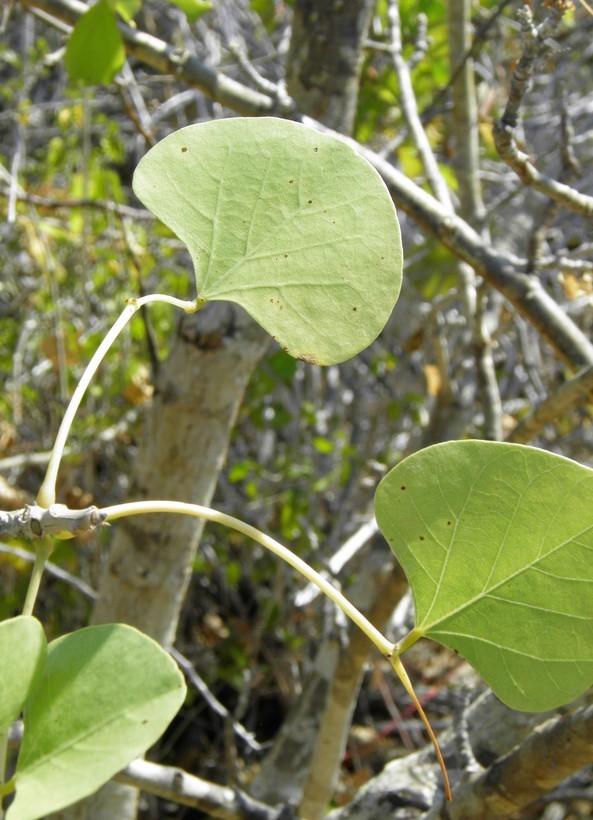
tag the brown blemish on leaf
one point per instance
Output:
(305, 357)
(183, 150)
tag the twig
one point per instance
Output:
(570, 395)
(410, 111)
(99, 204)
(34, 521)
(174, 784)
(52, 569)
(534, 42)
(198, 683)
(501, 270)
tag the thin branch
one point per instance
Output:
(574, 392)
(410, 111)
(542, 761)
(55, 203)
(52, 569)
(500, 270)
(198, 683)
(169, 59)
(534, 42)
(176, 785)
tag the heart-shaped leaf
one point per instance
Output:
(291, 224)
(497, 543)
(107, 694)
(23, 650)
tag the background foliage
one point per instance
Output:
(456, 361)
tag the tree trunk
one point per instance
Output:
(325, 58)
(198, 394)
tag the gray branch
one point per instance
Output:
(34, 521)
(501, 271)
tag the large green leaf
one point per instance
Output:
(23, 650)
(289, 223)
(497, 543)
(107, 694)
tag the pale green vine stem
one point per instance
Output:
(43, 549)
(47, 492)
(140, 507)
(385, 647)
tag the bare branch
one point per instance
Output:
(410, 111)
(570, 395)
(504, 130)
(176, 785)
(500, 270)
(169, 59)
(52, 569)
(213, 702)
(542, 761)
(34, 521)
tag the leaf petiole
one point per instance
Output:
(403, 676)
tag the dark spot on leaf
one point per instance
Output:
(354, 309)
(290, 181)
(403, 487)
(448, 523)
(421, 537)
(316, 149)
(305, 357)
(286, 256)
(183, 150)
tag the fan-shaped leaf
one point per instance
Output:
(291, 224)
(497, 543)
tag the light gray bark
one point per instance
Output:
(183, 447)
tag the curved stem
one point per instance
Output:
(140, 507)
(403, 676)
(47, 493)
(43, 549)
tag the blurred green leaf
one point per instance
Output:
(95, 51)
(193, 9)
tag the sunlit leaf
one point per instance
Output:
(127, 9)
(23, 650)
(107, 694)
(497, 543)
(293, 225)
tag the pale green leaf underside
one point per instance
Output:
(23, 649)
(107, 694)
(292, 225)
(497, 543)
